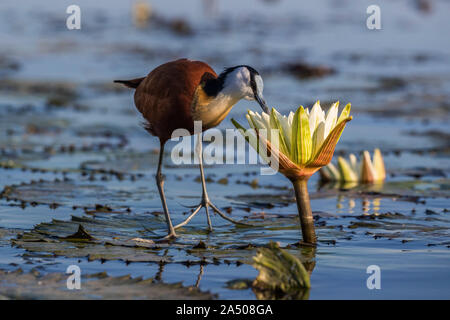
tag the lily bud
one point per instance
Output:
(306, 139)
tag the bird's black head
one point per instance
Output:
(246, 81)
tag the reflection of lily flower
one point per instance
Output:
(302, 143)
(366, 170)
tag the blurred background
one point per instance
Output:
(71, 138)
(305, 52)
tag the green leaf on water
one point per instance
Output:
(279, 270)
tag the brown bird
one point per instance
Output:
(176, 94)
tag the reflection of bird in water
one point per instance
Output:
(199, 277)
(176, 94)
(158, 276)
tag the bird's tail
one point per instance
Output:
(134, 83)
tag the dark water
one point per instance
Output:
(68, 137)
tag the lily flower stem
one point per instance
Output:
(304, 210)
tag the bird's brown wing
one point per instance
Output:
(165, 96)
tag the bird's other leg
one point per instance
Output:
(160, 184)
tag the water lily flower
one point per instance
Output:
(366, 170)
(301, 143)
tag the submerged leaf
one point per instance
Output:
(279, 270)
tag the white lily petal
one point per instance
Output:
(249, 120)
(353, 162)
(265, 118)
(290, 118)
(286, 129)
(331, 118)
(334, 172)
(314, 117)
(255, 116)
(318, 137)
(259, 124)
(346, 171)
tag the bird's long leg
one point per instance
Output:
(205, 199)
(206, 203)
(160, 183)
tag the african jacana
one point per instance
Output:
(176, 94)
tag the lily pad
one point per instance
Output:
(33, 285)
(96, 239)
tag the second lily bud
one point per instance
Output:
(366, 170)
